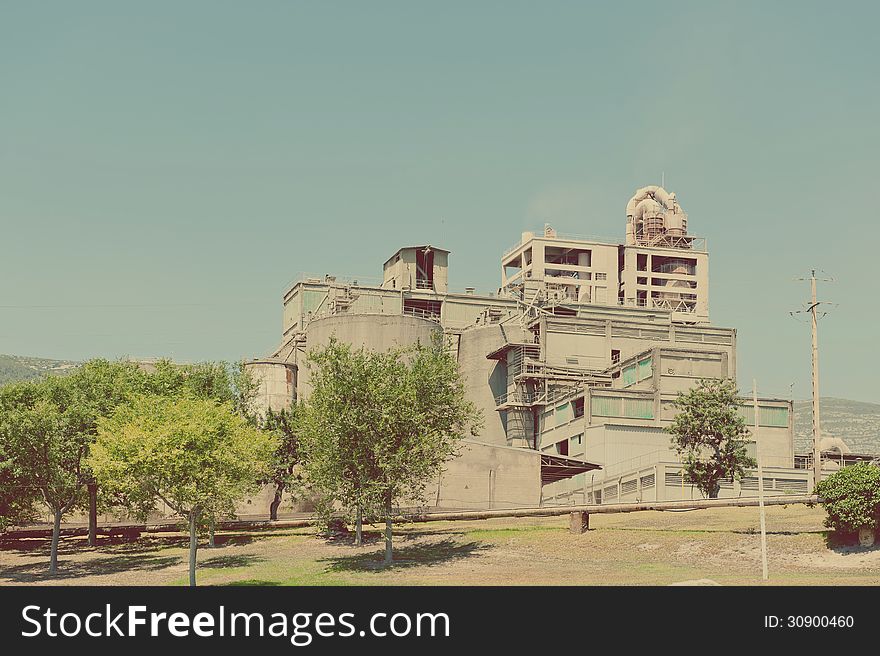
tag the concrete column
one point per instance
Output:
(609, 343)
(579, 522)
(660, 482)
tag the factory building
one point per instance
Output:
(575, 361)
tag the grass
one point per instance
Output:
(646, 548)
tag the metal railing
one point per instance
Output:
(327, 279)
(421, 313)
(539, 234)
(518, 397)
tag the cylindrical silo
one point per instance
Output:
(276, 384)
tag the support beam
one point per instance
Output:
(579, 522)
(547, 511)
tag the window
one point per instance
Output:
(645, 369)
(563, 414)
(601, 276)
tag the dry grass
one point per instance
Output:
(647, 548)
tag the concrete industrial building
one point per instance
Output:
(575, 361)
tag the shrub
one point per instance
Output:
(851, 498)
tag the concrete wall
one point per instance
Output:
(489, 476)
(680, 371)
(484, 379)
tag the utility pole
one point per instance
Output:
(764, 572)
(817, 454)
(812, 308)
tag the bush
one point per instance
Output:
(851, 498)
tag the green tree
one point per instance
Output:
(379, 426)
(851, 498)
(286, 474)
(18, 495)
(197, 455)
(710, 435)
(46, 428)
(205, 380)
(48, 425)
(44, 431)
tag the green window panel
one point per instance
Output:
(638, 408)
(768, 415)
(563, 414)
(629, 375)
(645, 369)
(773, 416)
(618, 406)
(747, 412)
(605, 406)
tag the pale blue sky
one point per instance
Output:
(167, 167)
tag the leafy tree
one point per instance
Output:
(18, 495)
(286, 470)
(851, 498)
(379, 426)
(44, 433)
(710, 435)
(48, 425)
(205, 380)
(197, 455)
(337, 422)
(18, 499)
(46, 452)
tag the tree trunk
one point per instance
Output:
(211, 534)
(388, 535)
(193, 545)
(359, 528)
(56, 534)
(713, 493)
(93, 514)
(273, 507)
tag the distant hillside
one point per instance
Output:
(14, 368)
(855, 422)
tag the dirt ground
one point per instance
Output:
(720, 545)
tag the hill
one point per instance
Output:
(15, 368)
(855, 422)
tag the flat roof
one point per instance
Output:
(557, 468)
(497, 353)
